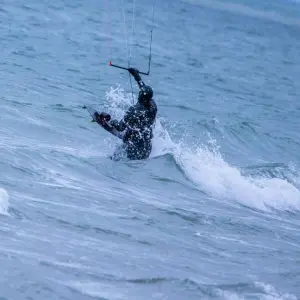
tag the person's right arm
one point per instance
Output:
(136, 75)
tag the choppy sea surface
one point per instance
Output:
(213, 213)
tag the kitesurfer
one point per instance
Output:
(137, 123)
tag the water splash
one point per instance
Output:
(208, 170)
(3, 202)
(270, 293)
(118, 101)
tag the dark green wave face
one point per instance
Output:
(213, 213)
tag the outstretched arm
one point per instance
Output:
(136, 75)
(103, 119)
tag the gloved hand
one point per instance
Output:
(102, 117)
(135, 73)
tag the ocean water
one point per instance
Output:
(213, 213)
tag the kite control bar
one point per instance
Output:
(127, 69)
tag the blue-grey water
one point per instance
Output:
(213, 213)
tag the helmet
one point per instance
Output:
(145, 94)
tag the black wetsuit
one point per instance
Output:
(137, 125)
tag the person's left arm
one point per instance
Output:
(123, 123)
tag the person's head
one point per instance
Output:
(145, 94)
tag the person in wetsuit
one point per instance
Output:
(137, 123)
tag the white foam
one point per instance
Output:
(229, 295)
(215, 176)
(272, 294)
(98, 290)
(3, 201)
(162, 143)
(266, 292)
